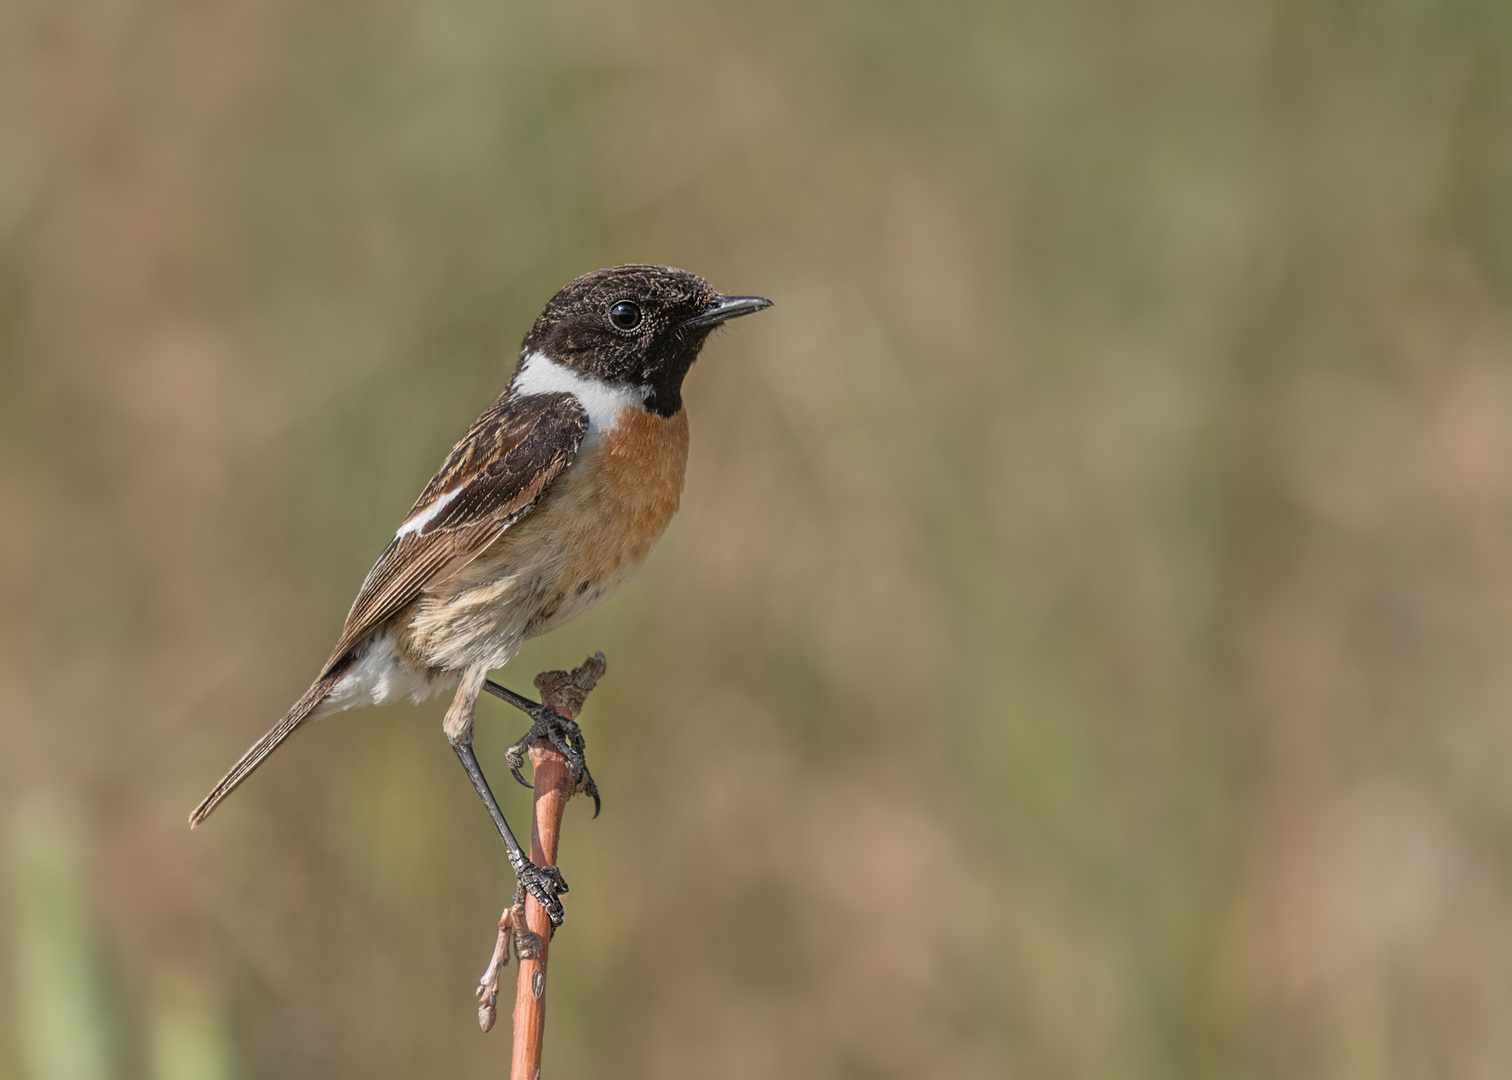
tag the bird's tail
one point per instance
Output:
(265, 746)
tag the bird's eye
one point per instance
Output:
(625, 315)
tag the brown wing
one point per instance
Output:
(490, 480)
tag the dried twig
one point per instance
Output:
(525, 924)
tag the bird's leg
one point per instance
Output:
(542, 882)
(556, 729)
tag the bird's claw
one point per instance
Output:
(589, 788)
(514, 757)
(545, 883)
(567, 737)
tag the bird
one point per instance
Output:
(550, 502)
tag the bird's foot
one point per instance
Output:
(545, 883)
(567, 737)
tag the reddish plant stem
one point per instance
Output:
(525, 924)
(553, 787)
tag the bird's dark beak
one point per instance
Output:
(727, 307)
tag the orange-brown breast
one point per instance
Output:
(617, 499)
(640, 468)
(592, 528)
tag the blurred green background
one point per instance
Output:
(1083, 648)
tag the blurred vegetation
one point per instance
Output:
(1081, 653)
(63, 1017)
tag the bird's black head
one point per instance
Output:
(635, 325)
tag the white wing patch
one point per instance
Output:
(423, 518)
(540, 374)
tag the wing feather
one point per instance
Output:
(491, 479)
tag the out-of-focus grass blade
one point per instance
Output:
(64, 1026)
(189, 1039)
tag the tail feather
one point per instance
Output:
(265, 746)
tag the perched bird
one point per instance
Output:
(552, 499)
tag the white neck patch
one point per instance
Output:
(540, 374)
